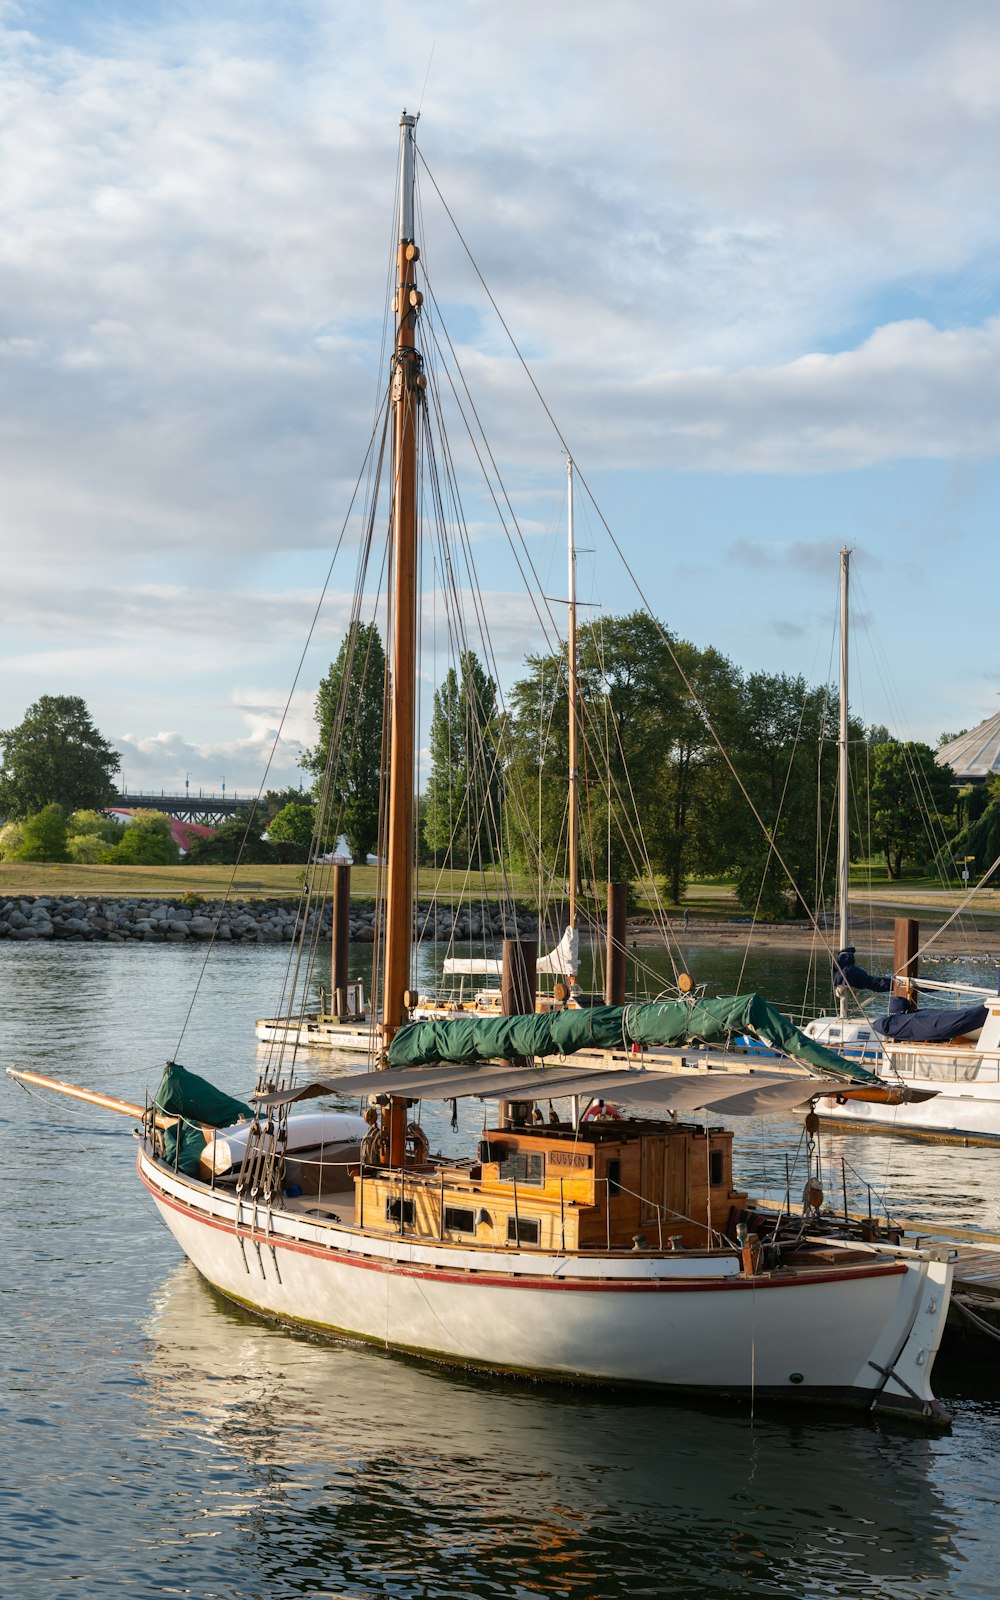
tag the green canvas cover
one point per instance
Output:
(192, 1142)
(185, 1094)
(552, 1033)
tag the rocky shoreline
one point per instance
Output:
(150, 920)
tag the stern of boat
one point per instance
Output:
(903, 1380)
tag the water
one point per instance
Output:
(159, 1443)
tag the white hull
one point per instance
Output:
(963, 1079)
(964, 1112)
(355, 1037)
(863, 1336)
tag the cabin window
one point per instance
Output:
(459, 1219)
(716, 1167)
(614, 1177)
(522, 1166)
(522, 1230)
(400, 1211)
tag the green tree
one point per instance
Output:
(980, 838)
(347, 758)
(628, 693)
(785, 754)
(43, 836)
(913, 802)
(89, 833)
(981, 841)
(88, 849)
(536, 765)
(238, 840)
(55, 756)
(293, 824)
(11, 839)
(146, 841)
(461, 814)
(689, 795)
(629, 698)
(274, 801)
(95, 822)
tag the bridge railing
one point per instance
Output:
(182, 805)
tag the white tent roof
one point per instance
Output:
(974, 755)
(725, 1093)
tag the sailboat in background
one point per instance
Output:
(610, 1251)
(854, 1037)
(947, 1060)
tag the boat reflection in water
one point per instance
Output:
(345, 1471)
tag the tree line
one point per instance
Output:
(688, 767)
(58, 773)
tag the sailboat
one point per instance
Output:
(612, 1249)
(947, 1060)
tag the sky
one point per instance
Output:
(748, 248)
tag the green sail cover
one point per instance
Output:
(560, 1033)
(184, 1094)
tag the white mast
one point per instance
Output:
(843, 785)
(573, 820)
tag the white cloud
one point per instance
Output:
(735, 238)
(908, 391)
(193, 249)
(275, 735)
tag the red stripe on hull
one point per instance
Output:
(495, 1280)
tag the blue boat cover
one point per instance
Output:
(930, 1027)
(846, 970)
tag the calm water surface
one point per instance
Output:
(157, 1443)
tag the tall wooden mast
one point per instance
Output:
(407, 384)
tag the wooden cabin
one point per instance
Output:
(615, 1184)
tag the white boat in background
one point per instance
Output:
(594, 1233)
(959, 1079)
(953, 1083)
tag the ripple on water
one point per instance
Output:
(160, 1443)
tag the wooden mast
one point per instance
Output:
(843, 785)
(407, 382)
(573, 818)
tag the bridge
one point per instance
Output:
(209, 809)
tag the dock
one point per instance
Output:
(974, 1314)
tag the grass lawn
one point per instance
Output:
(212, 882)
(56, 877)
(271, 882)
(705, 901)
